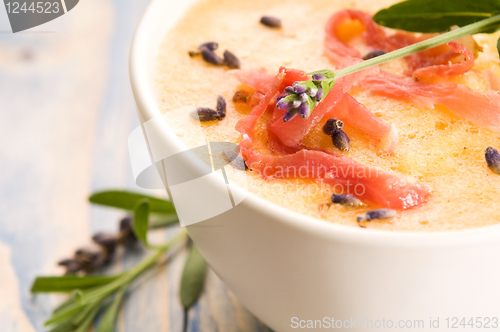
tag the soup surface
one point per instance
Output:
(435, 147)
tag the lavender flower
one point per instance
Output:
(302, 97)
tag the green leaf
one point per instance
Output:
(193, 277)
(163, 220)
(66, 284)
(327, 85)
(74, 297)
(63, 314)
(84, 323)
(127, 201)
(88, 309)
(64, 326)
(107, 322)
(498, 46)
(435, 15)
(141, 219)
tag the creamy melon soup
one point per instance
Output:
(435, 145)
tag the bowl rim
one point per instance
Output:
(140, 61)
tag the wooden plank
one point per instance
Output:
(67, 110)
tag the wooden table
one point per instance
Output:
(66, 112)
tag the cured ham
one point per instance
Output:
(281, 156)
(423, 64)
(481, 108)
(349, 110)
(245, 126)
(259, 79)
(447, 69)
(370, 184)
(337, 104)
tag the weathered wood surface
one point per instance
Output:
(66, 112)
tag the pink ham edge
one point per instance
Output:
(246, 125)
(370, 184)
(492, 79)
(259, 79)
(447, 70)
(481, 108)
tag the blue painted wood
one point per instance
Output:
(66, 112)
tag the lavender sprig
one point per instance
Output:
(323, 80)
(302, 97)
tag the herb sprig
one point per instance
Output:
(435, 16)
(91, 294)
(411, 15)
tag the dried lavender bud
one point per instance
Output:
(209, 114)
(377, 214)
(304, 110)
(303, 97)
(290, 114)
(270, 21)
(212, 46)
(221, 107)
(126, 232)
(72, 265)
(340, 140)
(210, 57)
(492, 159)
(296, 103)
(231, 60)
(204, 114)
(241, 97)
(108, 241)
(91, 257)
(235, 160)
(373, 54)
(347, 200)
(331, 125)
(319, 77)
(319, 94)
(284, 104)
(299, 88)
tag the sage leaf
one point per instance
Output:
(64, 326)
(193, 277)
(75, 295)
(66, 284)
(127, 200)
(86, 320)
(63, 314)
(163, 220)
(141, 220)
(435, 15)
(107, 323)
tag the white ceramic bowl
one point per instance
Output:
(282, 265)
